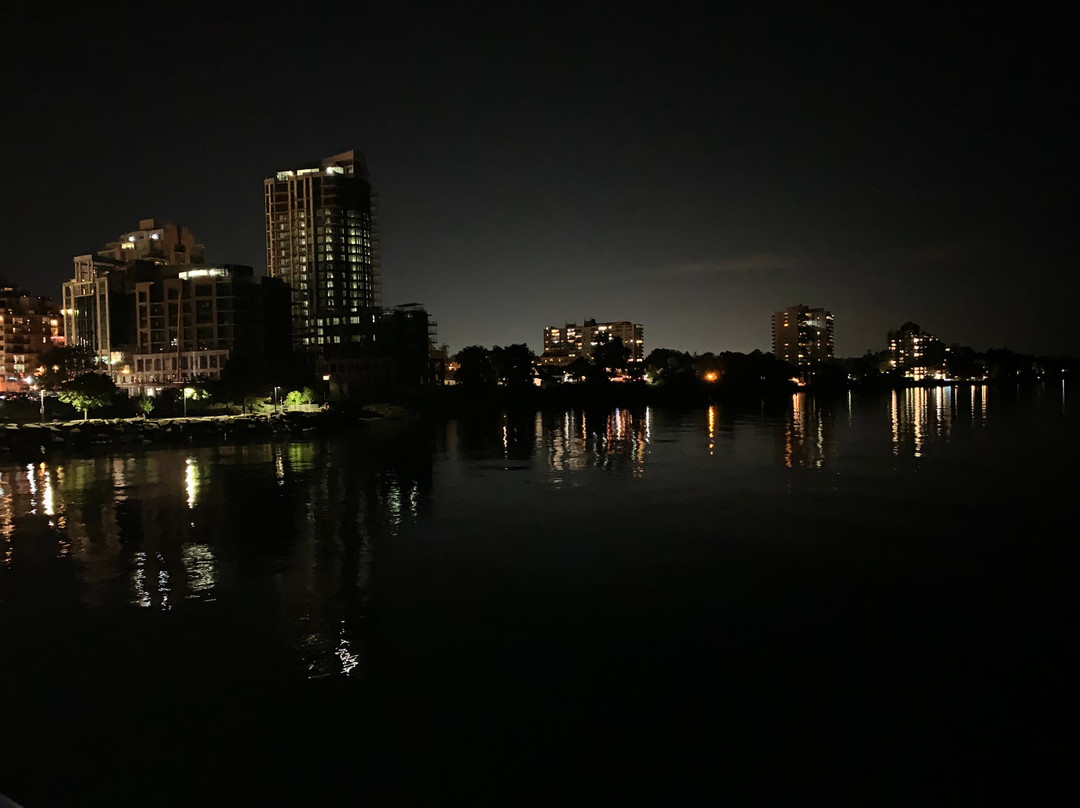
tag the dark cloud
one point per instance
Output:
(755, 262)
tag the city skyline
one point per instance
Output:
(534, 167)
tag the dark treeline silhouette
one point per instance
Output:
(512, 376)
(71, 385)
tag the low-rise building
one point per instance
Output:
(389, 349)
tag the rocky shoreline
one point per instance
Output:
(38, 439)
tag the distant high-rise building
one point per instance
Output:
(915, 353)
(802, 335)
(565, 343)
(322, 241)
(29, 325)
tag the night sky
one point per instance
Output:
(537, 164)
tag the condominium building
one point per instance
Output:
(29, 326)
(97, 307)
(397, 354)
(802, 335)
(322, 241)
(157, 242)
(563, 344)
(156, 315)
(190, 321)
(915, 353)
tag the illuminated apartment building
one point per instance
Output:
(156, 315)
(563, 344)
(802, 335)
(189, 322)
(157, 242)
(96, 304)
(915, 353)
(321, 240)
(29, 325)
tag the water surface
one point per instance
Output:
(864, 596)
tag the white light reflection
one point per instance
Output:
(414, 500)
(163, 583)
(190, 482)
(31, 480)
(7, 525)
(279, 466)
(200, 566)
(138, 582)
(48, 502)
(349, 660)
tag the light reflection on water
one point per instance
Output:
(300, 523)
(163, 530)
(576, 440)
(861, 571)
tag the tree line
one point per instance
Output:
(74, 376)
(517, 367)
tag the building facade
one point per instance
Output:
(29, 326)
(190, 322)
(916, 354)
(563, 344)
(156, 242)
(802, 335)
(156, 315)
(395, 355)
(322, 241)
(97, 303)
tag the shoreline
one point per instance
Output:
(38, 439)
(34, 439)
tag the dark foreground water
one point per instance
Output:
(867, 599)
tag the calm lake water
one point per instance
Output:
(866, 598)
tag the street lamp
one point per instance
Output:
(187, 394)
(275, 399)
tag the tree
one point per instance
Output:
(963, 363)
(666, 366)
(144, 404)
(296, 398)
(756, 371)
(579, 369)
(513, 364)
(242, 378)
(475, 368)
(61, 364)
(89, 391)
(611, 355)
(440, 359)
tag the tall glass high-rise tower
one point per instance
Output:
(321, 239)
